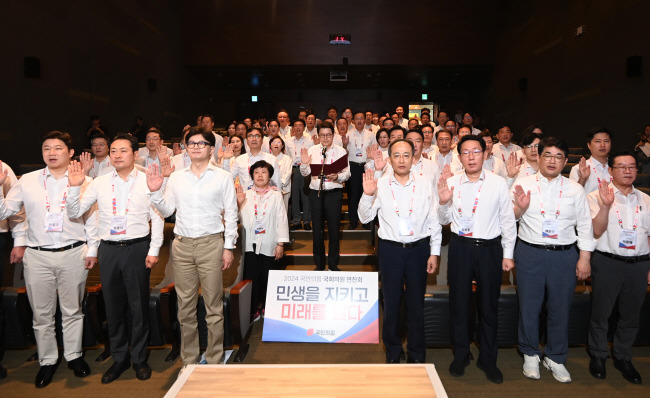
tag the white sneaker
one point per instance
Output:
(203, 361)
(531, 366)
(559, 371)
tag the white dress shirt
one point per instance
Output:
(597, 172)
(333, 154)
(270, 208)
(181, 161)
(423, 167)
(294, 146)
(501, 151)
(15, 223)
(494, 215)
(311, 132)
(416, 201)
(285, 163)
(285, 132)
(145, 160)
(133, 193)
(101, 168)
(495, 165)
(218, 141)
(573, 207)
(359, 143)
(199, 203)
(626, 205)
(443, 160)
(403, 123)
(525, 170)
(265, 145)
(34, 190)
(241, 166)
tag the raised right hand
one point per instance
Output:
(86, 161)
(76, 175)
(228, 153)
(369, 183)
(444, 193)
(304, 156)
(154, 178)
(3, 173)
(513, 165)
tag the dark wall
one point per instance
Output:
(574, 82)
(95, 58)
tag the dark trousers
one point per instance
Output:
(328, 207)
(469, 262)
(616, 281)
(541, 272)
(125, 286)
(403, 272)
(5, 246)
(356, 189)
(256, 268)
(297, 196)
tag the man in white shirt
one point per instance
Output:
(359, 141)
(368, 124)
(401, 120)
(101, 164)
(409, 240)
(491, 162)
(347, 115)
(310, 126)
(443, 118)
(283, 119)
(154, 144)
(478, 206)
(550, 208)
(620, 266)
(591, 172)
(239, 167)
(126, 254)
(468, 121)
(295, 144)
(55, 262)
(505, 147)
(325, 195)
(442, 155)
(204, 241)
(333, 113)
(429, 143)
(207, 123)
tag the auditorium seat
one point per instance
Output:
(437, 332)
(576, 151)
(567, 168)
(508, 317)
(573, 158)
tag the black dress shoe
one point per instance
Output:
(457, 367)
(142, 371)
(80, 367)
(334, 268)
(411, 360)
(45, 375)
(3, 372)
(627, 369)
(294, 226)
(392, 360)
(319, 269)
(597, 367)
(115, 371)
(492, 372)
(306, 226)
(353, 225)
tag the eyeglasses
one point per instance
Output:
(548, 156)
(625, 168)
(99, 145)
(200, 144)
(152, 139)
(532, 146)
(254, 136)
(474, 152)
(326, 135)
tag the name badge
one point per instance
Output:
(405, 227)
(359, 154)
(259, 226)
(628, 239)
(118, 225)
(549, 228)
(54, 222)
(466, 227)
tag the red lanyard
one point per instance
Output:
(47, 199)
(126, 209)
(597, 177)
(620, 222)
(359, 147)
(460, 212)
(541, 204)
(390, 183)
(266, 203)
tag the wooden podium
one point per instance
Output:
(398, 380)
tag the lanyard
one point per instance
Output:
(356, 144)
(460, 212)
(636, 221)
(541, 204)
(47, 199)
(126, 209)
(597, 177)
(390, 183)
(266, 203)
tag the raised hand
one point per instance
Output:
(379, 160)
(241, 195)
(3, 173)
(446, 172)
(606, 194)
(76, 175)
(86, 161)
(219, 155)
(370, 151)
(176, 147)
(513, 165)
(444, 193)
(345, 140)
(315, 139)
(521, 198)
(583, 170)
(369, 183)
(154, 178)
(166, 167)
(228, 153)
(304, 156)
(425, 155)
(161, 150)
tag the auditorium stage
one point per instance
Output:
(354, 381)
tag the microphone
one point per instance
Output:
(324, 153)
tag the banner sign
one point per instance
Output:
(322, 307)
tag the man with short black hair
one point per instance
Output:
(401, 120)
(207, 123)
(154, 145)
(239, 166)
(591, 172)
(359, 141)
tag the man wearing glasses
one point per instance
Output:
(550, 209)
(478, 206)
(620, 265)
(154, 145)
(517, 168)
(591, 172)
(204, 240)
(241, 165)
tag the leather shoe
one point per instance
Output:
(492, 372)
(353, 225)
(3, 372)
(597, 367)
(334, 268)
(45, 375)
(392, 360)
(627, 369)
(79, 366)
(411, 360)
(294, 226)
(457, 367)
(142, 371)
(115, 371)
(306, 226)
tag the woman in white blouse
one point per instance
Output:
(285, 162)
(266, 229)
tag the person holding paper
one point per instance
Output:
(325, 193)
(409, 240)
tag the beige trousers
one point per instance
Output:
(198, 262)
(49, 273)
